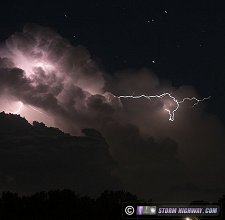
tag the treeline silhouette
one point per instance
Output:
(67, 205)
(63, 205)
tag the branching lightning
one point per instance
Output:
(171, 112)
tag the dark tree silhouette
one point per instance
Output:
(63, 205)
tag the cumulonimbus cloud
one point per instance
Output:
(62, 86)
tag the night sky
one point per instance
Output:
(91, 53)
(180, 41)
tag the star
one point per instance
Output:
(166, 12)
(149, 21)
(153, 61)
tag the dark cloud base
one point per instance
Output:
(35, 158)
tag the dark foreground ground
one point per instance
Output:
(66, 205)
(35, 158)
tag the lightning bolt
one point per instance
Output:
(19, 109)
(171, 113)
(21, 105)
(36, 110)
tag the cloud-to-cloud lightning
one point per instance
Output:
(171, 112)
